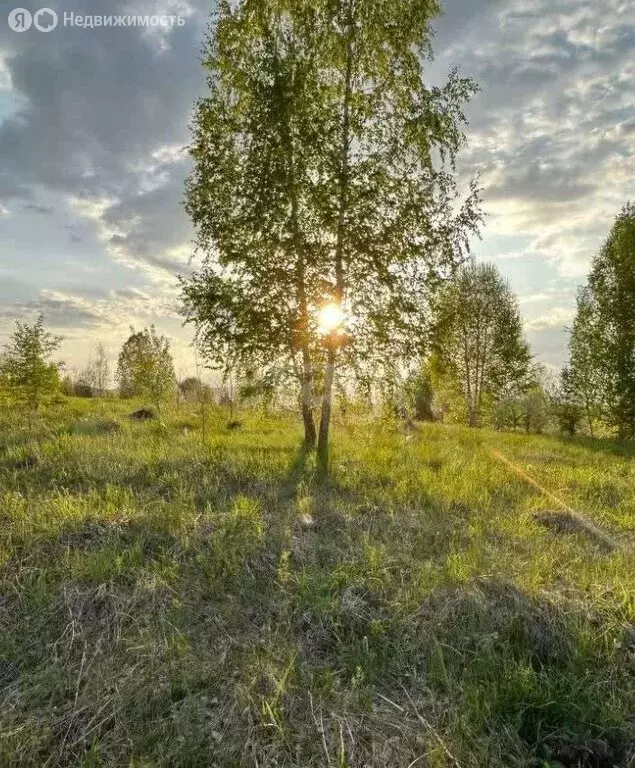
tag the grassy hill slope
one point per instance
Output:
(168, 600)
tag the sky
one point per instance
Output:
(93, 125)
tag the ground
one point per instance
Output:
(176, 593)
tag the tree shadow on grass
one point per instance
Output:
(621, 448)
(538, 667)
(223, 623)
(492, 669)
(162, 509)
(198, 631)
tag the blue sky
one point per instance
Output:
(93, 123)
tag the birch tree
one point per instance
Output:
(98, 371)
(478, 338)
(145, 367)
(324, 195)
(587, 372)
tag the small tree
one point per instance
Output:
(259, 387)
(478, 340)
(587, 350)
(420, 394)
(566, 404)
(509, 410)
(524, 403)
(193, 390)
(145, 367)
(78, 385)
(535, 409)
(29, 376)
(97, 374)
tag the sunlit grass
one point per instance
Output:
(173, 600)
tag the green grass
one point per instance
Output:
(174, 599)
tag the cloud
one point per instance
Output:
(556, 317)
(113, 309)
(552, 131)
(83, 320)
(45, 210)
(547, 295)
(552, 343)
(5, 76)
(103, 117)
(93, 125)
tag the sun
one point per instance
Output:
(330, 318)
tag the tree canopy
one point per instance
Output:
(26, 368)
(602, 344)
(145, 367)
(478, 338)
(323, 176)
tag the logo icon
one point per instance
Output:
(20, 20)
(45, 19)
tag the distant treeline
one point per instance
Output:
(474, 367)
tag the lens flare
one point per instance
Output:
(330, 318)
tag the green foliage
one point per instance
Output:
(566, 403)
(535, 409)
(420, 394)
(323, 172)
(256, 387)
(524, 403)
(193, 390)
(76, 386)
(478, 338)
(145, 368)
(27, 374)
(586, 369)
(602, 342)
(97, 374)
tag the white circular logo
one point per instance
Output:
(45, 19)
(20, 19)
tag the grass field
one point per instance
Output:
(174, 599)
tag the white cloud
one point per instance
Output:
(6, 82)
(556, 317)
(90, 208)
(553, 137)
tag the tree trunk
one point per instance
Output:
(310, 433)
(325, 422)
(589, 417)
(297, 252)
(344, 184)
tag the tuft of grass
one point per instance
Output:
(173, 596)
